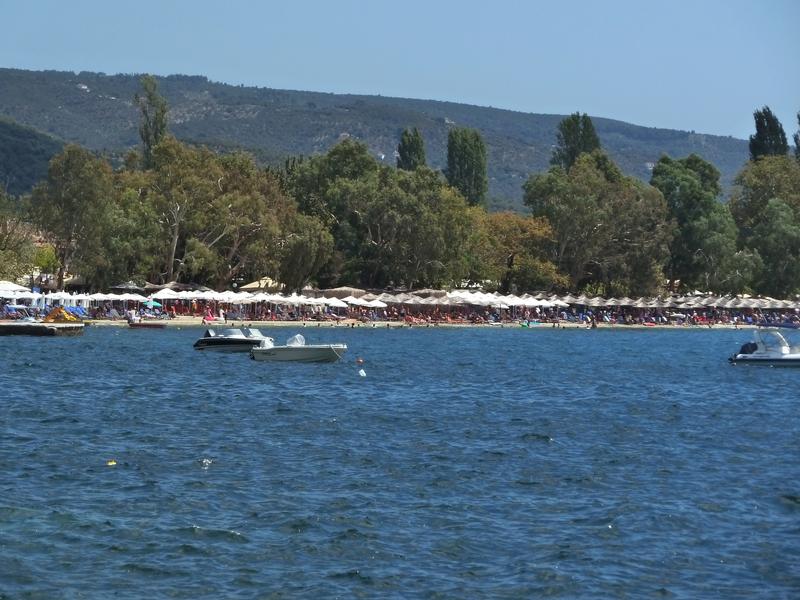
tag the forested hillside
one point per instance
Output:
(24, 154)
(97, 111)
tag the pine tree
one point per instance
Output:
(466, 164)
(769, 139)
(576, 136)
(411, 150)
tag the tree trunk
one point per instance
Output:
(173, 249)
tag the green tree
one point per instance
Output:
(766, 206)
(183, 186)
(71, 207)
(304, 250)
(389, 226)
(608, 229)
(706, 234)
(513, 254)
(411, 150)
(310, 181)
(16, 239)
(135, 245)
(44, 259)
(776, 237)
(466, 164)
(237, 234)
(769, 138)
(636, 233)
(576, 136)
(757, 183)
(796, 138)
(153, 125)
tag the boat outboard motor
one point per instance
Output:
(748, 348)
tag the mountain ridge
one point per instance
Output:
(97, 111)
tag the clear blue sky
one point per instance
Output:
(703, 65)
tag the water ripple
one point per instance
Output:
(468, 463)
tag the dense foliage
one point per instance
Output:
(796, 138)
(610, 232)
(411, 150)
(16, 246)
(466, 164)
(153, 123)
(769, 138)
(703, 252)
(344, 217)
(24, 155)
(576, 136)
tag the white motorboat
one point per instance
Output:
(296, 350)
(230, 340)
(770, 347)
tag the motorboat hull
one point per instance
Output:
(146, 325)
(766, 361)
(321, 353)
(230, 340)
(222, 344)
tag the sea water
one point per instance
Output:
(465, 463)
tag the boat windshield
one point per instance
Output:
(296, 340)
(254, 333)
(231, 333)
(772, 339)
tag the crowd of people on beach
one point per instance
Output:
(579, 315)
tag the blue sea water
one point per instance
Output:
(468, 463)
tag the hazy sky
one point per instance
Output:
(703, 65)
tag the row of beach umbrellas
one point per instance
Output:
(431, 298)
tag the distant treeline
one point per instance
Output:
(174, 211)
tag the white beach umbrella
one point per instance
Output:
(165, 294)
(27, 295)
(336, 303)
(10, 286)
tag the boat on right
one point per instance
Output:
(770, 347)
(296, 350)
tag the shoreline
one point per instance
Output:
(197, 322)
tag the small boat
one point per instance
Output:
(230, 340)
(769, 347)
(296, 350)
(142, 324)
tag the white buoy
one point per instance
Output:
(362, 372)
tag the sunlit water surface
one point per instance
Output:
(468, 463)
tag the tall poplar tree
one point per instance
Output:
(466, 164)
(153, 126)
(576, 136)
(411, 150)
(769, 139)
(796, 139)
